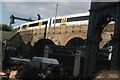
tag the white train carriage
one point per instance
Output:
(77, 19)
(56, 21)
(69, 20)
(34, 25)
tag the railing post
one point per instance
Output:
(77, 63)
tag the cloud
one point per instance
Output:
(45, 9)
(0, 13)
(60, 0)
(74, 7)
(46, 0)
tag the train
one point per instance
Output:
(69, 20)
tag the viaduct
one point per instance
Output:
(63, 35)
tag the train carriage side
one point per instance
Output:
(45, 22)
(77, 19)
(23, 27)
(70, 20)
(34, 24)
(56, 21)
(39, 24)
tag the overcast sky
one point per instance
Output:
(45, 9)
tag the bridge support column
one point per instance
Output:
(90, 58)
(115, 63)
(77, 63)
(92, 44)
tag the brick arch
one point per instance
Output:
(94, 38)
(97, 21)
(76, 42)
(56, 41)
(83, 36)
(96, 30)
(107, 44)
(38, 48)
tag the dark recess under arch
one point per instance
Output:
(76, 42)
(38, 48)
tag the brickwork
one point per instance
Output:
(62, 34)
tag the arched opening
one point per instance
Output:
(104, 56)
(107, 44)
(76, 42)
(38, 48)
(107, 35)
(94, 39)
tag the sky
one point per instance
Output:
(46, 9)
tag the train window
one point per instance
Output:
(24, 26)
(33, 25)
(44, 22)
(18, 28)
(80, 18)
(57, 21)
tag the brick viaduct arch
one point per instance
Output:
(74, 40)
(59, 35)
(63, 39)
(38, 48)
(100, 15)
